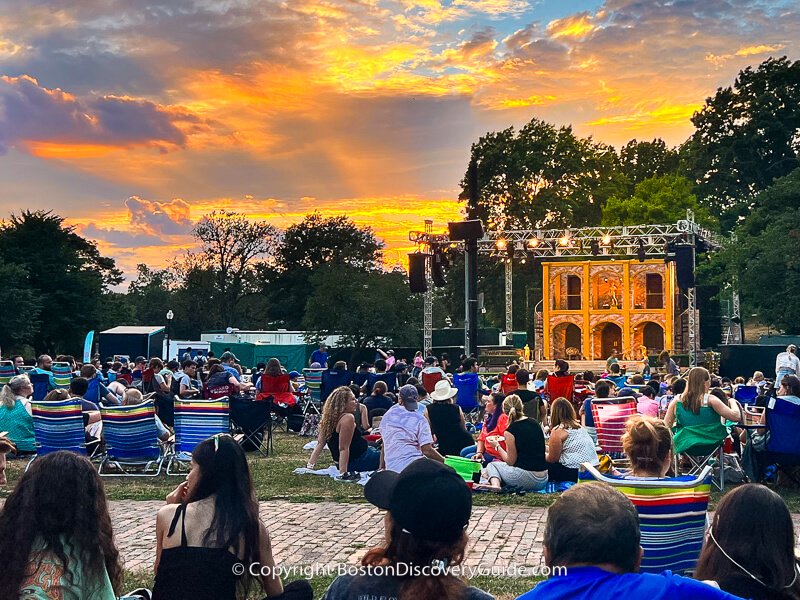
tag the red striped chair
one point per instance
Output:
(610, 416)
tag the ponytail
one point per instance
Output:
(512, 406)
(8, 396)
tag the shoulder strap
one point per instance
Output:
(180, 512)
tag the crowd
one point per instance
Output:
(56, 538)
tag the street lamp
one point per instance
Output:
(170, 316)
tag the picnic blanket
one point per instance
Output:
(332, 472)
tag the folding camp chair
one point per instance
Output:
(783, 439)
(672, 516)
(58, 426)
(195, 421)
(41, 385)
(62, 373)
(390, 379)
(313, 379)
(702, 445)
(7, 371)
(429, 380)
(610, 416)
(333, 379)
(746, 394)
(468, 386)
(132, 444)
(561, 387)
(252, 418)
(508, 383)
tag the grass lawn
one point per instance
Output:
(502, 588)
(274, 480)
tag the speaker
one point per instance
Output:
(466, 230)
(438, 264)
(684, 266)
(416, 272)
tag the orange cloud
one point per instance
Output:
(574, 26)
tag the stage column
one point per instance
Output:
(669, 322)
(627, 342)
(586, 330)
(546, 310)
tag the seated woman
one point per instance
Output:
(647, 442)
(522, 462)
(222, 383)
(338, 430)
(379, 398)
(494, 424)
(15, 413)
(447, 420)
(56, 533)
(749, 549)
(210, 524)
(570, 444)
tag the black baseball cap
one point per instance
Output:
(427, 499)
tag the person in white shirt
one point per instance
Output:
(406, 433)
(786, 363)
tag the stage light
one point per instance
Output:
(607, 239)
(565, 241)
(501, 244)
(453, 245)
(523, 260)
(533, 242)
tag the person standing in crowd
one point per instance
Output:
(419, 364)
(592, 533)
(611, 360)
(15, 413)
(56, 535)
(187, 355)
(670, 366)
(786, 363)
(320, 356)
(406, 433)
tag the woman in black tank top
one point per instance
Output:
(219, 481)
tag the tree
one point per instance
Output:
(643, 160)
(660, 200)
(21, 308)
(542, 176)
(746, 137)
(306, 247)
(364, 307)
(151, 294)
(65, 272)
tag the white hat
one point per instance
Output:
(443, 391)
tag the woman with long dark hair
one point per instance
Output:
(749, 549)
(55, 534)
(209, 525)
(428, 509)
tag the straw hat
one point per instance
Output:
(443, 391)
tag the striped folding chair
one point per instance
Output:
(6, 371)
(25, 369)
(62, 373)
(58, 426)
(610, 416)
(672, 516)
(132, 444)
(313, 379)
(196, 421)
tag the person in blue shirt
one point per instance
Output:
(320, 356)
(592, 538)
(44, 366)
(228, 359)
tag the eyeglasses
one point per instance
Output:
(216, 439)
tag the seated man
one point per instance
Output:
(592, 537)
(406, 433)
(44, 366)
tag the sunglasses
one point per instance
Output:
(216, 437)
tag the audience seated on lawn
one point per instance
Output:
(749, 549)
(696, 407)
(494, 424)
(428, 509)
(592, 531)
(406, 433)
(15, 413)
(379, 397)
(522, 463)
(338, 430)
(646, 402)
(570, 445)
(532, 402)
(97, 391)
(133, 396)
(56, 534)
(447, 420)
(183, 381)
(647, 442)
(209, 524)
(6, 447)
(219, 378)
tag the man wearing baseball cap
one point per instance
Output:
(429, 508)
(406, 433)
(228, 359)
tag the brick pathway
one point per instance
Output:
(328, 533)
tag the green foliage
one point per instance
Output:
(21, 308)
(542, 176)
(746, 136)
(642, 160)
(658, 200)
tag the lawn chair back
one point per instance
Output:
(783, 422)
(41, 385)
(390, 379)
(467, 385)
(620, 381)
(508, 383)
(7, 371)
(561, 387)
(58, 426)
(610, 416)
(313, 379)
(333, 379)
(279, 387)
(130, 432)
(62, 373)
(429, 380)
(746, 394)
(198, 420)
(672, 516)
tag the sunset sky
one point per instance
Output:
(134, 118)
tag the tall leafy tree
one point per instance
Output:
(66, 273)
(542, 176)
(746, 137)
(640, 160)
(21, 309)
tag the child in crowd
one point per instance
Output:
(646, 403)
(541, 379)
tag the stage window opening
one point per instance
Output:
(573, 292)
(655, 291)
(653, 337)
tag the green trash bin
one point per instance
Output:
(469, 470)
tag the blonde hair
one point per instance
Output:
(132, 396)
(692, 398)
(333, 410)
(512, 406)
(758, 376)
(12, 389)
(563, 413)
(647, 442)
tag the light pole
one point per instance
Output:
(170, 316)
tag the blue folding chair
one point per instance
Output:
(7, 371)
(360, 379)
(196, 421)
(468, 386)
(333, 379)
(41, 385)
(746, 394)
(132, 444)
(390, 379)
(58, 426)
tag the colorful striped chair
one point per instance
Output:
(672, 516)
(58, 426)
(7, 371)
(132, 444)
(313, 379)
(62, 373)
(196, 421)
(610, 416)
